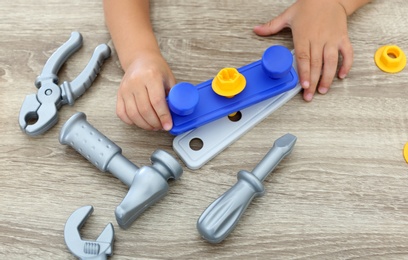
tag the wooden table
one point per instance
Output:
(341, 194)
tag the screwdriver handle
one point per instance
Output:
(221, 217)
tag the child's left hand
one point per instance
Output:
(319, 31)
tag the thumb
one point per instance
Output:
(273, 26)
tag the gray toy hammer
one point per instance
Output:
(146, 185)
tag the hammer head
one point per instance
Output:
(149, 185)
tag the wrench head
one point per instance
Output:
(85, 249)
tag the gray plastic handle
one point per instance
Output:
(74, 89)
(58, 58)
(96, 147)
(146, 185)
(221, 217)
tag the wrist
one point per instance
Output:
(350, 6)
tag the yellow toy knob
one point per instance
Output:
(405, 152)
(228, 82)
(390, 58)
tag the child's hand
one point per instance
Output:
(319, 31)
(142, 93)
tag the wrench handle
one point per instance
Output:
(221, 217)
(74, 89)
(58, 58)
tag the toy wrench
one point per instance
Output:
(39, 112)
(86, 249)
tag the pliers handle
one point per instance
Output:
(39, 112)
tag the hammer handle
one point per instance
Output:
(104, 154)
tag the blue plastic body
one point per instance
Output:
(265, 78)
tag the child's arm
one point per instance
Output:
(141, 95)
(319, 29)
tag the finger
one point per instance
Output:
(146, 113)
(134, 115)
(121, 111)
(302, 55)
(158, 101)
(273, 26)
(330, 60)
(346, 51)
(315, 71)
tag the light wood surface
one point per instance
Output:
(341, 194)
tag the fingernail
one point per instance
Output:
(305, 84)
(166, 127)
(323, 90)
(308, 97)
(342, 76)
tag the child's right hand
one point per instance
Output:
(142, 93)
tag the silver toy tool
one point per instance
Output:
(146, 185)
(221, 217)
(85, 249)
(39, 112)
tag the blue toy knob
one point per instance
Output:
(277, 61)
(183, 98)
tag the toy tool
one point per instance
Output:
(390, 58)
(219, 134)
(405, 152)
(221, 217)
(231, 90)
(39, 112)
(146, 185)
(85, 249)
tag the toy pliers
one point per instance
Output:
(39, 112)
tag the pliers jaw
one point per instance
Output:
(39, 112)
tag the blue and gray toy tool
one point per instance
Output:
(39, 112)
(85, 249)
(231, 90)
(221, 217)
(147, 184)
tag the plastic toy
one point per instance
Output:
(39, 112)
(405, 152)
(390, 58)
(224, 95)
(146, 185)
(219, 134)
(221, 217)
(215, 136)
(85, 249)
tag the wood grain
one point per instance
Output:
(341, 194)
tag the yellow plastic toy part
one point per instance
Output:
(390, 58)
(405, 152)
(228, 82)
